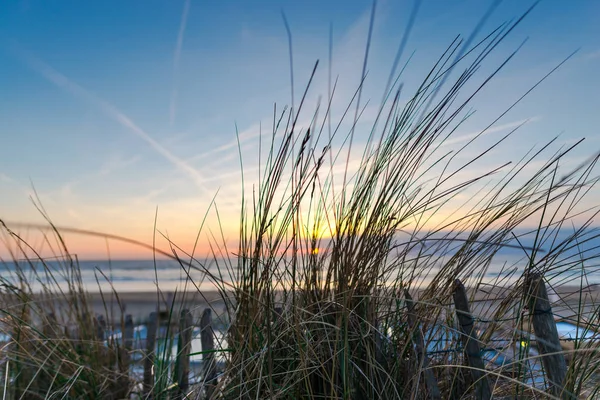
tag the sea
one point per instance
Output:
(577, 264)
(169, 275)
(577, 261)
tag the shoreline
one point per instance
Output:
(139, 304)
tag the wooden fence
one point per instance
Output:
(115, 352)
(181, 372)
(539, 305)
(544, 329)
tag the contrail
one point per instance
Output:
(495, 129)
(176, 57)
(64, 83)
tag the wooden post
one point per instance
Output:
(126, 345)
(277, 314)
(469, 337)
(546, 335)
(184, 347)
(149, 360)
(100, 327)
(122, 384)
(128, 332)
(208, 355)
(22, 344)
(50, 326)
(430, 381)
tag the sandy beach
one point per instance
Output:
(137, 304)
(567, 302)
(141, 304)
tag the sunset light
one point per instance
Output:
(307, 199)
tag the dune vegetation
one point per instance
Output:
(345, 279)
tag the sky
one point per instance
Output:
(112, 110)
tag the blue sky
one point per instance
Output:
(112, 108)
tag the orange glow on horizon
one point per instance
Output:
(95, 247)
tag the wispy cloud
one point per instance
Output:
(5, 178)
(244, 136)
(14, 182)
(64, 83)
(112, 164)
(176, 58)
(494, 129)
(592, 55)
(116, 162)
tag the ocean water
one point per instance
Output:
(576, 258)
(123, 275)
(145, 275)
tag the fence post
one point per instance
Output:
(122, 383)
(208, 355)
(128, 333)
(100, 323)
(277, 314)
(149, 360)
(184, 346)
(127, 343)
(546, 335)
(23, 344)
(469, 338)
(430, 381)
(50, 326)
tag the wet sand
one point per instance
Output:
(141, 304)
(137, 304)
(565, 302)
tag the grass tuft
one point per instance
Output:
(349, 253)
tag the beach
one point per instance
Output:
(567, 302)
(137, 304)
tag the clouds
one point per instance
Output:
(114, 163)
(176, 58)
(594, 55)
(185, 77)
(5, 178)
(64, 83)
(494, 129)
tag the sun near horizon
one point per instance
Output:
(141, 121)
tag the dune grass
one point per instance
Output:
(316, 292)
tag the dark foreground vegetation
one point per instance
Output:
(346, 282)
